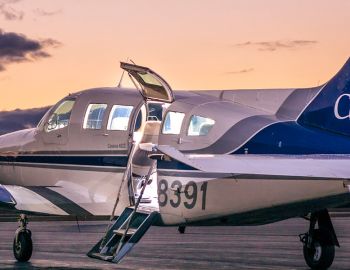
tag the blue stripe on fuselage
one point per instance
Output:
(293, 138)
(102, 161)
(115, 161)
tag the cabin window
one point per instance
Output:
(119, 117)
(155, 111)
(200, 126)
(94, 116)
(60, 117)
(173, 122)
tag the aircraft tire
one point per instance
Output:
(181, 229)
(320, 255)
(24, 248)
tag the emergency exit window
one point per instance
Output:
(173, 122)
(94, 116)
(119, 117)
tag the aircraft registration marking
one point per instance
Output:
(190, 190)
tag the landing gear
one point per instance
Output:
(318, 255)
(318, 244)
(22, 243)
(181, 229)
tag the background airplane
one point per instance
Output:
(223, 158)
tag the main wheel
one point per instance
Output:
(181, 229)
(320, 254)
(22, 250)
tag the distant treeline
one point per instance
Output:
(20, 119)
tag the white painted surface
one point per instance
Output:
(27, 200)
(325, 166)
(233, 196)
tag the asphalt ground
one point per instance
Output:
(61, 245)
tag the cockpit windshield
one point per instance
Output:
(60, 117)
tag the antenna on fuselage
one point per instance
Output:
(121, 79)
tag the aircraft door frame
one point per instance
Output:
(132, 123)
(132, 145)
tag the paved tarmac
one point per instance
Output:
(60, 245)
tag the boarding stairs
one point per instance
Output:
(126, 230)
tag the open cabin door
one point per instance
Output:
(155, 90)
(152, 86)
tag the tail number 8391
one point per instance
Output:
(190, 190)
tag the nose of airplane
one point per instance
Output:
(16, 141)
(5, 197)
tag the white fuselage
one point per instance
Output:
(248, 189)
(240, 200)
(78, 168)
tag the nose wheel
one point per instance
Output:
(22, 243)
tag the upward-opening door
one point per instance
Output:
(155, 91)
(151, 85)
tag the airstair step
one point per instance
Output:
(100, 256)
(130, 226)
(131, 231)
(103, 251)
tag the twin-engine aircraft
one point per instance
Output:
(201, 158)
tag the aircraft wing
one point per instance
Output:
(26, 200)
(296, 166)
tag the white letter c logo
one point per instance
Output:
(336, 109)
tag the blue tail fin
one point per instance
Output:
(330, 109)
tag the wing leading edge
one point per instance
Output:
(308, 166)
(23, 199)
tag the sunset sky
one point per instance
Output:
(51, 48)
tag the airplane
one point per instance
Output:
(184, 158)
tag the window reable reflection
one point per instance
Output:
(173, 122)
(119, 117)
(60, 117)
(94, 116)
(200, 126)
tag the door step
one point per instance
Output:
(122, 231)
(101, 256)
